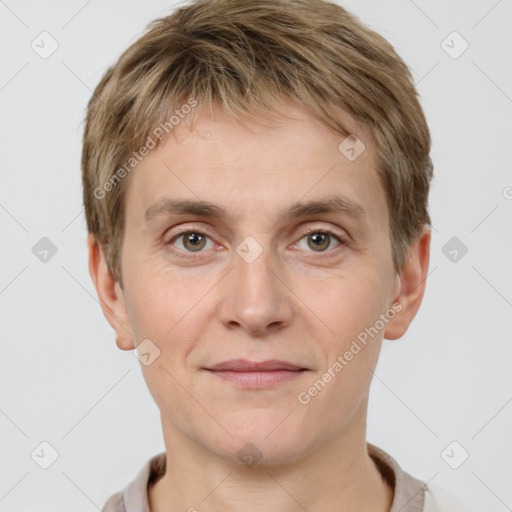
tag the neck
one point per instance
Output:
(337, 475)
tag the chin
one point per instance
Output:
(266, 439)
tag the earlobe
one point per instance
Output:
(411, 285)
(110, 295)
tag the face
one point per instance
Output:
(255, 280)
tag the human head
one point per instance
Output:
(248, 57)
(255, 149)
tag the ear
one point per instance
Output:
(410, 285)
(110, 294)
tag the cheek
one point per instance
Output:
(348, 304)
(170, 312)
(338, 389)
(351, 307)
(158, 302)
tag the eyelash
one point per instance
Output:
(307, 231)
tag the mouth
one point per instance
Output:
(256, 375)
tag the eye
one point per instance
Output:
(320, 240)
(193, 241)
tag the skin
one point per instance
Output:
(295, 302)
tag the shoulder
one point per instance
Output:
(114, 503)
(134, 497)
(439, 499)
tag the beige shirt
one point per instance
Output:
(410, 494)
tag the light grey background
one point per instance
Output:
(64, 381)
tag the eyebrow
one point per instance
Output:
(333, 204)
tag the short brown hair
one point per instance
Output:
(247, 56)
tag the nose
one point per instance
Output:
(254, 295)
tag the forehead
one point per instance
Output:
(253, 169)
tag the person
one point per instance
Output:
(256, 179)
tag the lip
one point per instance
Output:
(243, 365)
(256, 375)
